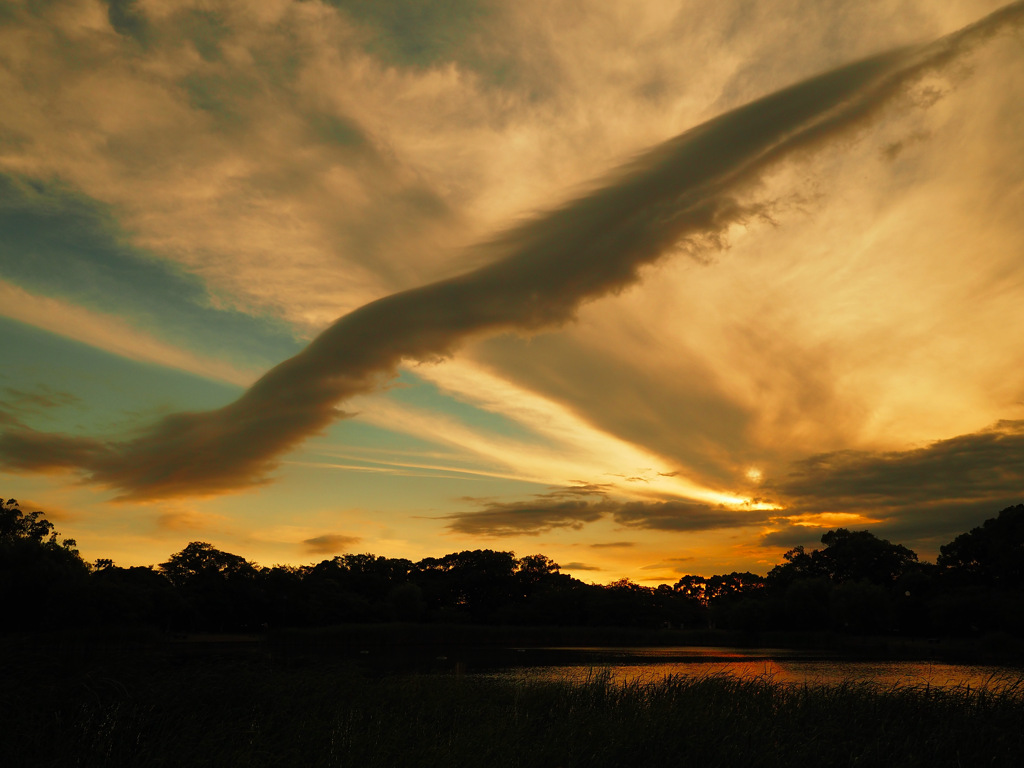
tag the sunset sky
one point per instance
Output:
(652, 288)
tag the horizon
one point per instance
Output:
(301, 279)
(101, 563)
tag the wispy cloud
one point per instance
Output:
(15, 403)
(574, 507)
(559, 448)
(72, 268)
(577, 566)
(190, 520)
(686, 516)
(329, 543)
(562, 508)
(681, 194)
(112, 334)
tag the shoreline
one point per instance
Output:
(990, 649)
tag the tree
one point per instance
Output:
(860, 555)
(847, 556)
(469, 584)
(41, 577)
(534, 572)
(852, 584)
(356, 587)
(220, 587)
(137, 595)
(624, 603)
(733, 585)
(199, 560)
(799, 565)
(991, 554)
(31, 527)
(693, 588)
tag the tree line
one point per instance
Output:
(855, 583)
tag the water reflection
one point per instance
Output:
(778, 665)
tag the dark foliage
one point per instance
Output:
(42, 580)
(991, 555)
(855, 584)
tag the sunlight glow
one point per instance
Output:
(575, 451)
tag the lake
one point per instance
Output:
(622, 664)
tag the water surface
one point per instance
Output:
(622, 664)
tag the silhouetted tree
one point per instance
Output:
(850, 585)
(804, 603)
(135, 596)
(694, 588)
(856, 555)
(860, 607)
(735, 600)
(357, 587)
(472, 584)
(991, 554)
(679, 607)
(856, 582)
(200, 560)
(406, 602)
(282, 596)
(42, 578)
(535, 572)
(847, 556)
(981, 573)
(624, 603)
(220, 587)
(733, 585)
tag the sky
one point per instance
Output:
(658, 288)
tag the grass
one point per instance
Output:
(136, 703)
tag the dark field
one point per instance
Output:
(143, 701)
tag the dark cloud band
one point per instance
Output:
(573, 508)
(919, 494)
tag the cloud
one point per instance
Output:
(239, 133)
(577, 506)
(42, 452)
(419, 33)
(924, 493)
(53, 513)
(43, 397)
(560, 446)
(790, 536)
(128, 19)
(678, 565)
(684, 516)
(188, 520)
(574, 566)
(683, 194)
(16, 402)
(112, 334)
(614, 545)
(329, 543)
(549, 511)
(979, 465)
(673, 406)
(75, 269)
